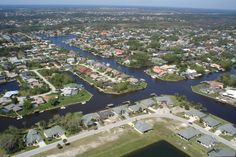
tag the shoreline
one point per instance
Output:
(107, 92)
(107, 57)
(53, 108)
(213, 98)
(162, 79)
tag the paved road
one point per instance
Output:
(53, 89)
(123, 122)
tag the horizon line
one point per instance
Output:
(105, 5)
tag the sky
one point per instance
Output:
(211, 4)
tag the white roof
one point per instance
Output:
(10, 93)
(191, 71)
(230, 92)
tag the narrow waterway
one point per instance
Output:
(13, 85)
(100, 100)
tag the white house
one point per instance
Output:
(230, 93)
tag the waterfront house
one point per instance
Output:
(71, 89)
(215, 84)
(13, 107)
(121, 110)
(194, 114)
(158, 70)
(165, 99)
(32, 138)
(188, 133)
(213, 65)
(4, 101)
(38, 101)
(105, 114)
(210, 122)
(146, 103)
(90, 119)
(84, 70)
(231, 93)
(136, 108)
(228, 129)
(54, 132)
(142, 127)
(9, 94)
(190, 73)
(221, 152)
(207, 141)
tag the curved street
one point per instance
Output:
(53, 88)
(124, 122)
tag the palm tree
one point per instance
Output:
(64, 140)
(59, 146)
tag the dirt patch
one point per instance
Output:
(175, 125)
(108, 136)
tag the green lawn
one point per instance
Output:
(82, 96)
(171, 77)
(123, 87)
(131, 141)
(198, 89)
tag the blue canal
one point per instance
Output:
(100, 100)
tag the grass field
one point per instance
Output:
(129, 141)
(82, 96)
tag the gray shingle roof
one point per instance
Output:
(194, 112)
(211, 121)
(56, 130)
(188, 133)
(121, 109)
(142, 126)
(135, 108)
(105, 114)
(207, 140)
(165, 98)
(229, 128)
(147, 102)
(222, 152)
(88, 118)
(13, 107)
(32, 136)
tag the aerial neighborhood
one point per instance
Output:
(101, 81)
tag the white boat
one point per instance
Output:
(63, 107)
(142, 80)
(41, 111)
(110, 105)
(153, 94)
(84, 102)
(223, 100)
(19, 117)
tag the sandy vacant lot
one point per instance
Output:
(102, 139)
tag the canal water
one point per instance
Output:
(158, 149)
(100, 100)
(9, 86)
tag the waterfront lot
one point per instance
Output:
(109, 80)
(202, 89)
(121, 141)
